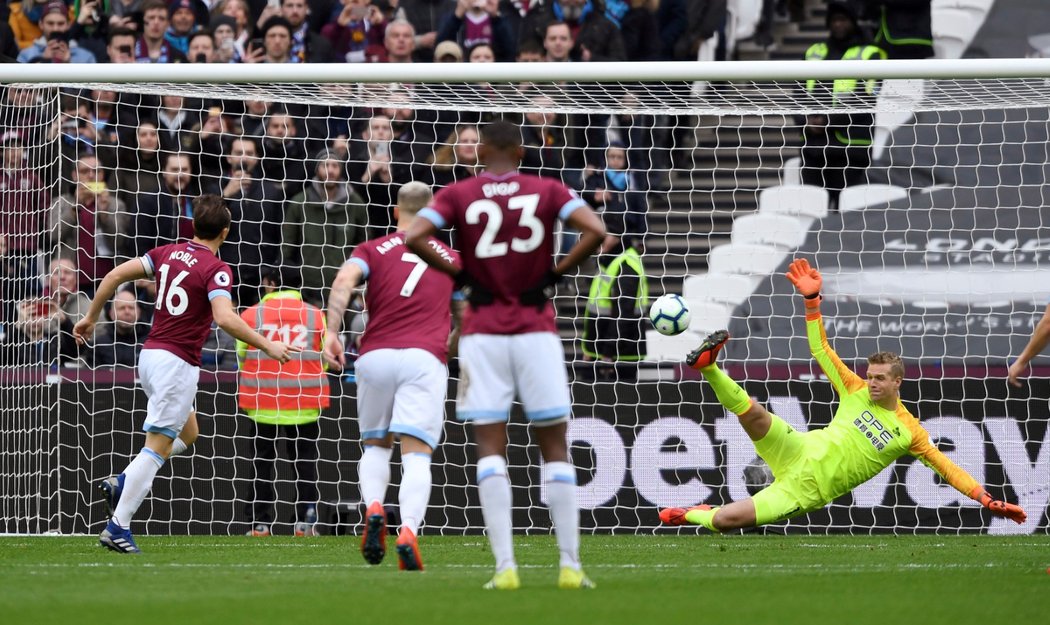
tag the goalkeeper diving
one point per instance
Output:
(870, 430)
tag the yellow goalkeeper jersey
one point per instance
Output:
(864, 438)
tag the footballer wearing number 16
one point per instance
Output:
(193, 287)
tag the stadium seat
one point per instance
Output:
(898, 97)
(979, 9)
(800, 200)
(674, 348)
(742, 259)
(706, 317)
(953, 30)
(780, 231)
(730, 289)
(806, 202)
(860, 196)
(791, 174)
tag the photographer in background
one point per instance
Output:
(54, 44)
(90, 26)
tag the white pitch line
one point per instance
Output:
(917, 566)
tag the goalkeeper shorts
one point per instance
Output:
(793, 491)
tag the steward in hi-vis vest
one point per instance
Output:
(837, 146)
(614, 322)
(284, 401)
(903, 27)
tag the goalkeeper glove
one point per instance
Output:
(1001, 508)
(806, 279)
(475, 292)
(542, 291)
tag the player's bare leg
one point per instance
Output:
(559, 477)
(495, 495)
(373, 471)
(413, 495)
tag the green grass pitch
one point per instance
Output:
(696, 579)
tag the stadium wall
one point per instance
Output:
(637, 446)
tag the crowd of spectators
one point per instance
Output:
(305, 183)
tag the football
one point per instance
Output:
(669, 314)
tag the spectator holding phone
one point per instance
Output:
(478, 22)
(54, 44)
(275, 45)
(369, 170)
(88, 27)
(44, 325)
(358, 28)
(120, 45)
(201, 47)
(229, 48)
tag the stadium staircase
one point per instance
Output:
(716, 179)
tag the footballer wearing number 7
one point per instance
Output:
(193, 287)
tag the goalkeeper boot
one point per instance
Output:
(573, 579)
(373, 539)
(507, 579)
(408, 558)
(705, 355)
(111, 488)
(676, 516)
(116, 538)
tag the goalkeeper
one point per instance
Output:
(870, 430)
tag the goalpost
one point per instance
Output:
(941, 256)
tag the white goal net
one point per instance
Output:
(921, 194)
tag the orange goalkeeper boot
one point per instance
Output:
(705, 355)
(676, 516)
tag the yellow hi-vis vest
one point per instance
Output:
(600, 297)
(842, 86)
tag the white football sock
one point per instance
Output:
(494, 492)
(374, 473)
(415, 489)
(138, 479)
(177, 447)
(560, 480)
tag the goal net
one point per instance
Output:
(920, 193)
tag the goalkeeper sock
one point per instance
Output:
(138, 479)
(415, 489)
(177, 447)
(495, 495)
(560, 480)
(703, 517)
(728, 392)
(374, 472)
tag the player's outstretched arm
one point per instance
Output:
(228, 319)
(1040, 339)
(924, 449)
(125, 272)
(808, 282)
(349, 276)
